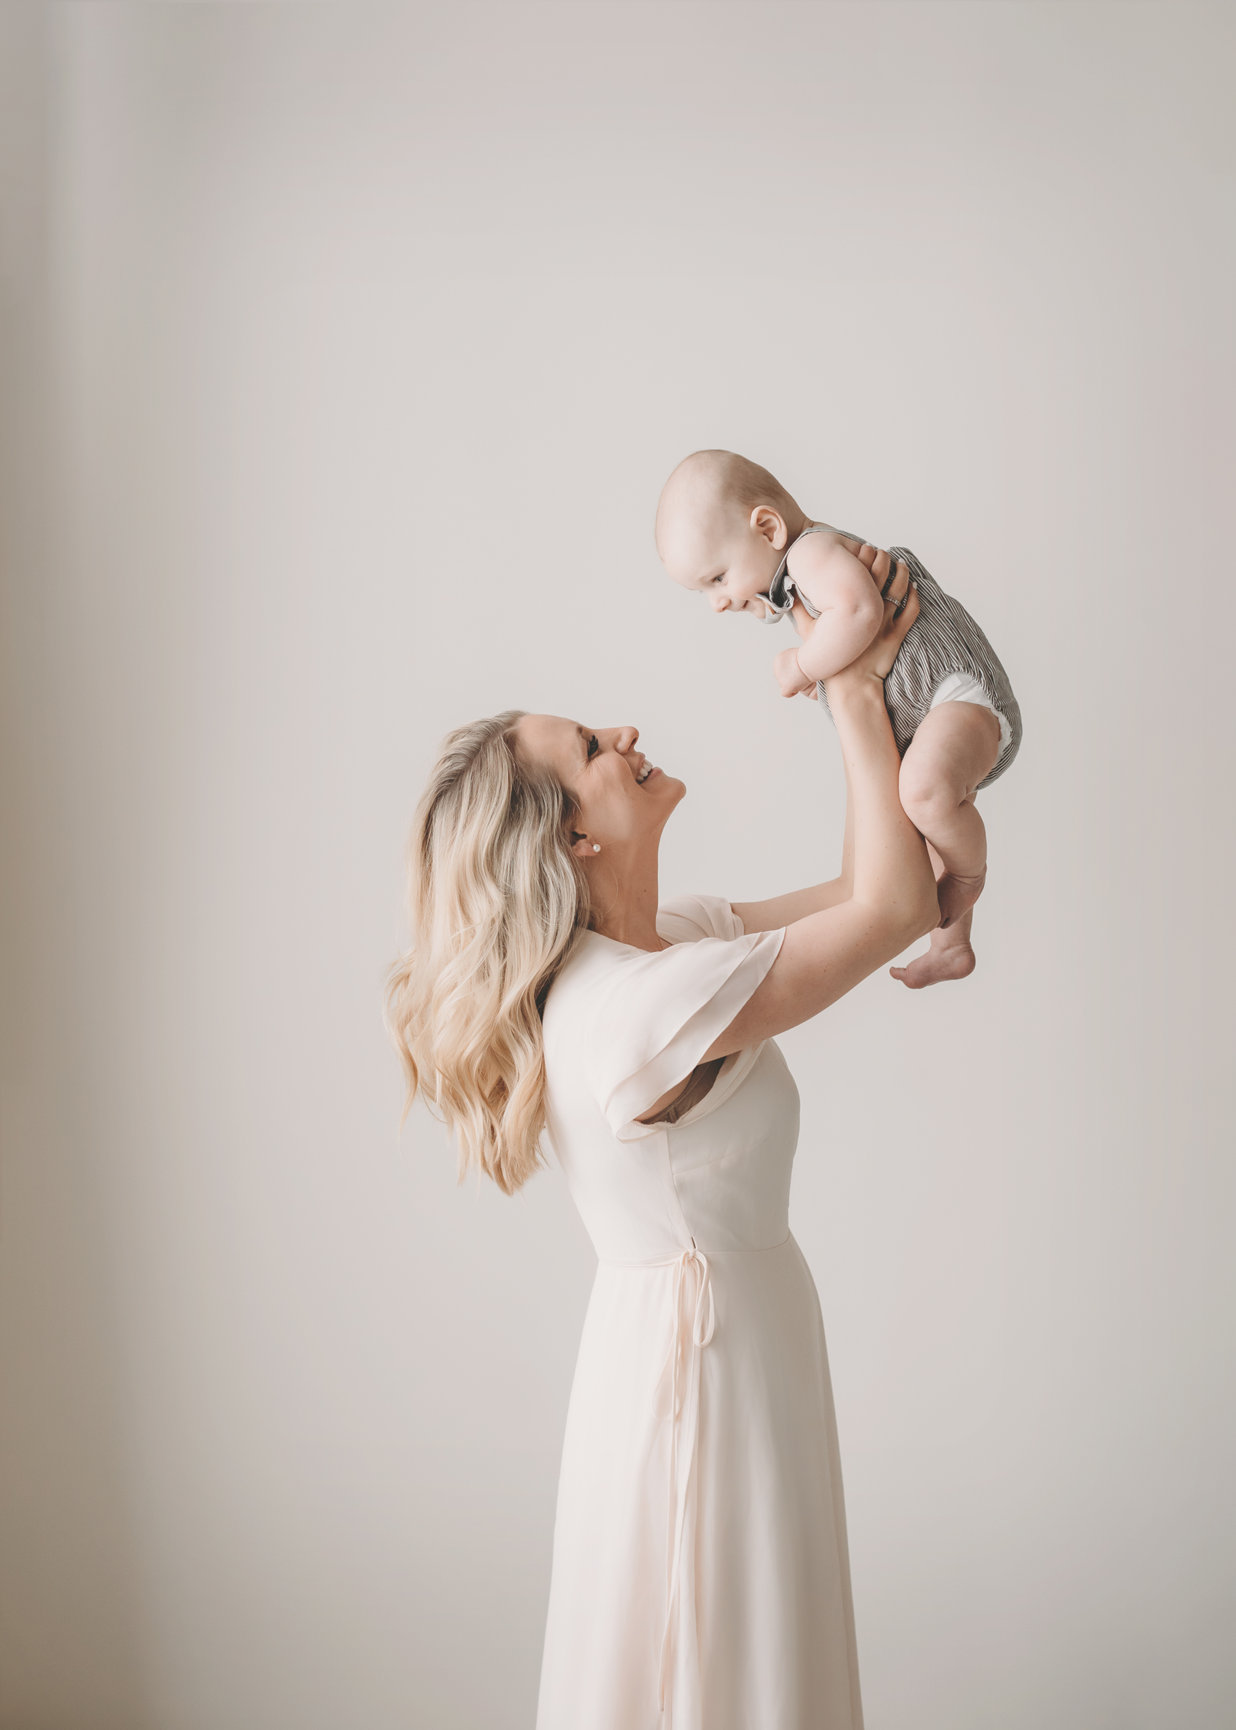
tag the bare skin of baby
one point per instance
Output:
(723, 527)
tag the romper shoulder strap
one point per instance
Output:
(781, 590)
(821, 528)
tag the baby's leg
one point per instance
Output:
(955, 746)
(950, 956)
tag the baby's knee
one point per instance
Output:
(918, 782)
(925, 790)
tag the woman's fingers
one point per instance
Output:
(900, 613)
(900, 585)
(891, 576)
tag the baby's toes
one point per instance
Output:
(935, 965)
(917, 974)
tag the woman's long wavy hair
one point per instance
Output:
(497, 901)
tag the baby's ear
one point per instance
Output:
(765, 521)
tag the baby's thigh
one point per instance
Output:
(955, 746)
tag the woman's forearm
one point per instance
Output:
(891, 871)
(893, 898)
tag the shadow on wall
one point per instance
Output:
(69, 1591)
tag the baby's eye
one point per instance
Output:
(718, 578)
(594, 745)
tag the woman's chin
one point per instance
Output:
(661, 783)
(669, 794)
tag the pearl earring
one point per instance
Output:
(596, 846)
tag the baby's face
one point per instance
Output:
(733, 564)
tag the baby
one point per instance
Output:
(727, 528)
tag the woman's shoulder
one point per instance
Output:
(598, 963)
(626, 1023)
(685, 918)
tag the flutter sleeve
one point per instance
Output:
(654, 1015)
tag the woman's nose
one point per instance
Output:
(626, 738)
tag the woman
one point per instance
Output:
(700, 1568)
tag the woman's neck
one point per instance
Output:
(625, 902)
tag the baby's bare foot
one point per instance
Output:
(956, 896)
(943, 960)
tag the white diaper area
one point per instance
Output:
(961, 688)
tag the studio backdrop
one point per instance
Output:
(346, 350)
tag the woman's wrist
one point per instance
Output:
(848, 687)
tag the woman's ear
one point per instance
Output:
(765, 521)
(582, 847)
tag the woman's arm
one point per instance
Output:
(789, 908)
(892, 896)
(796, 904)
(779, 910)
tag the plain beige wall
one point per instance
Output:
(346, 353)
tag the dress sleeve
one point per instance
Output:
(654, 1016)
(686, 917)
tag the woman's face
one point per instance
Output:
(623, 799)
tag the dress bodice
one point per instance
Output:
(622, 1026)
(668, 1205)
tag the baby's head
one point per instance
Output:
(723, 524)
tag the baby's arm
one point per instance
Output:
(840, 586)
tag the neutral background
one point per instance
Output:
(345, 353)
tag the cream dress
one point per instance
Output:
(700, 1568)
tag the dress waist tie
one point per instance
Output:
(692, 1330)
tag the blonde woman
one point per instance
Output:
(700, 1572)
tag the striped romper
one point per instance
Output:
(943, 643)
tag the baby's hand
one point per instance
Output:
(790, 675)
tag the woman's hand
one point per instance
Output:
(876, 660)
